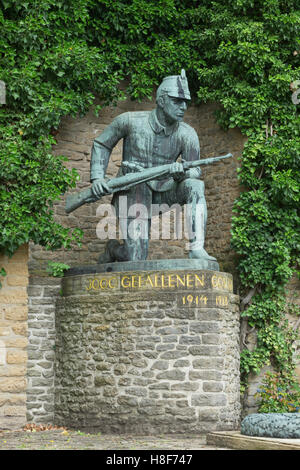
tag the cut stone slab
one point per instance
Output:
(236, 440)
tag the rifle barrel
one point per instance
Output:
(205, 161)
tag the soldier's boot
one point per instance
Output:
(200, 253)
(130, 250)
(109, 255)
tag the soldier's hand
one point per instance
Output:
(177, 171)
(100, 188)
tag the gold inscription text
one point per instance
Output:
(194, 300)
(221, 282)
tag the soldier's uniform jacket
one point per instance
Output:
(147, 143)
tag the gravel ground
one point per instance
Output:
(63, 439)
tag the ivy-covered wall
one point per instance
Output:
(244, 54)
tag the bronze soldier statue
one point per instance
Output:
(151, 139)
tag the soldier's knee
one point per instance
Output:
(193, 185)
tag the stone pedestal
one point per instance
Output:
(148, 351)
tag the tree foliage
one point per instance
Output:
(56, 56)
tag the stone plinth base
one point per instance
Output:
(147, 352)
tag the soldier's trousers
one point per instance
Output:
(136, 226)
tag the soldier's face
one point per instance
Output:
(174, 108)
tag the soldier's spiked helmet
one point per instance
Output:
(175, 86)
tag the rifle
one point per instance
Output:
(122, 183)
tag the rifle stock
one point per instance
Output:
(76, 200)
(122, 183)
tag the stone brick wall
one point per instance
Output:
(13, 339)
(42, 292)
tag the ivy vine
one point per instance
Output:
(57, 56)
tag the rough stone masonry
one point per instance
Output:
(143, 359)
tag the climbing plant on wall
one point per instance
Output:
(56, 56)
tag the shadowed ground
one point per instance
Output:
(62, 439)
